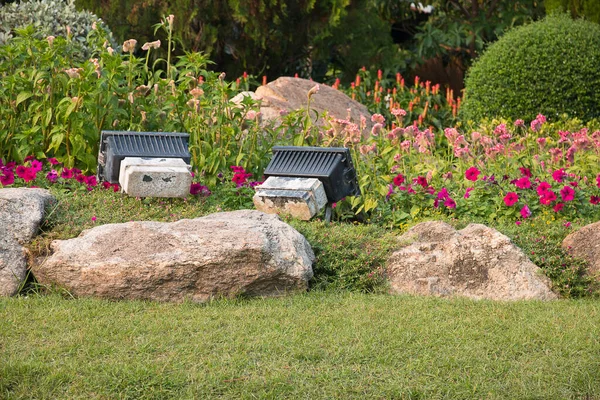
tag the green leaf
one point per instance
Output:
(21, 97)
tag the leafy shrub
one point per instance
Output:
(50, 18)
(548, 67)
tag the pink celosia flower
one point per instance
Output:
(525, 212)
(511, 198)
(378, 118)
(567, 193)
(472, 174)
(519, 122)
(398, 112)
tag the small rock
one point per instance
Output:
(225, 254)
(21, 212)
(585, 244)
(476, 262)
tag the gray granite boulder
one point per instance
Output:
(585, 244)
(21, 213)
(221, 255)
(477, 262)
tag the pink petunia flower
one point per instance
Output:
(593, 199)
(53, 161)
(558, 207)
(472, 174)
(547, 198)
(543, 188)
(525, 172)
(450, 203)
(559, 175)
(511, 199)
(52, 176)
(525, 212)
(398, 180)
(523, 183)
(421, 180)
(567, 193)
(468, 193)
(7, 178)
(36, 165)
(598, 180)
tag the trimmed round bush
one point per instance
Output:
(550, 67)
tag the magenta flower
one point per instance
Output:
(518, 222)
(511, 199)
(198, 189)
(525, 172)
(593, 199)
(80, 178)
(421, 180)
(472, 174)
(543, 188)
(558, 207)
(91, 181)
(106, 184)
(567, 224)
(598, 180)
(443, 194)
(468, 193)
(525, 212)
(523, 183)
(567, 193)
(53, 161)
(26, 173)
(52, 176)
(548, 198)
(67, 173)
(559, 175)
(7, 178)
(36, 165)
(398, 180)
(450, 203)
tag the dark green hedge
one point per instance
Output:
(549, 67)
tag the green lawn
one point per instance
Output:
(318, 345)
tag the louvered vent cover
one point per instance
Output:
(331, 165)
(116, 145)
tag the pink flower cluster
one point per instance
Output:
(240, 177)
(200, 190)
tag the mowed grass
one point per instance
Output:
(319, 345)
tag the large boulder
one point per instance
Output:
(476, 262)
(221, 255)
(287, 94)
(585, 244)
(21, 212)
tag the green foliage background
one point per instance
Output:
(588, 9)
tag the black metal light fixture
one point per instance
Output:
(330, 165)
(117, 145)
